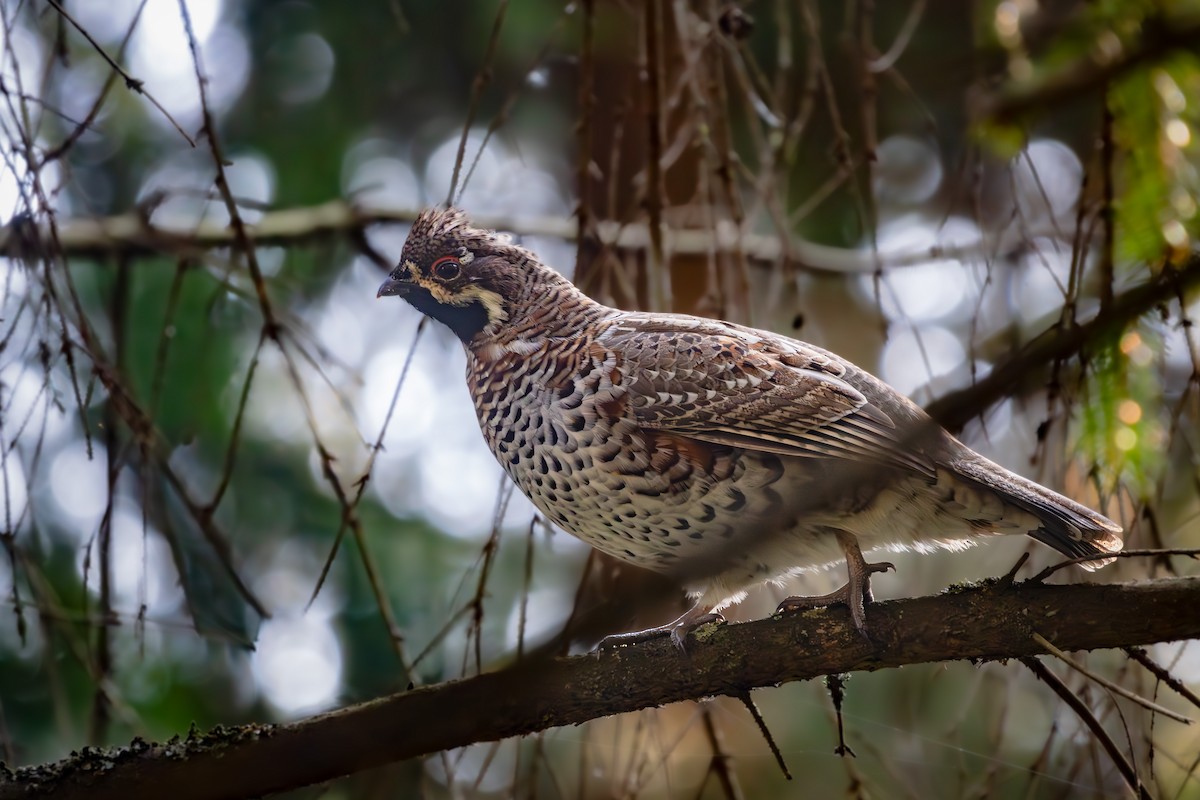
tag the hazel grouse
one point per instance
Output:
(715, 453)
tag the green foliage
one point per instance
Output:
(1145, 178)
(1121, 419)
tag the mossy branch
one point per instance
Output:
(993, 621)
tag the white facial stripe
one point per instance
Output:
(491, 302)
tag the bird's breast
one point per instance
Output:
(568, 438)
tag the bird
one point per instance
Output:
(720, 455)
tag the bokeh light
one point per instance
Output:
(302, 67)
(914, 357)
(1046, 179)
(79, 487)
(143, 571)
(297, 665)
(907, 171)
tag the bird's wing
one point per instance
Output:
(730, 385)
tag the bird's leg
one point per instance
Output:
(678, 629)
(857, 591)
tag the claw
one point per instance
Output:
(855, 594)
(677, 630)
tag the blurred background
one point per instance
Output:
(236, 488)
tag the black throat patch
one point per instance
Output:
(465, 321)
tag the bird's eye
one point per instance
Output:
(447, 268)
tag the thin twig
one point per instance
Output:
(1192, 552)
(1089, 719)
(85, 125)
(586, 102)
(482, 78)
(837, 693)
(1107, 684)
(657, 267)
(719, 764)
(888, 60)
(1176, 685)
(526, 585)
(135, 85)
(748, 702)
(376, 448)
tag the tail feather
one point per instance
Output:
(1069, 527)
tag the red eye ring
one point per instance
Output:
(447, 268)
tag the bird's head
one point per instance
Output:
(469, 279)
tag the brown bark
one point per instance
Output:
(992, 621)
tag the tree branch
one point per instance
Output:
(133, 234)
(1061, 342)
(1158, 40)
(991, 621)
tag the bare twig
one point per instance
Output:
(85, 124)
(586, 102)
(1094, 725)
(657, 267)
(719, 765)
(135, 85)
(837, 693)
(1107, 684)
(482, 79)
(885, 62)
(1156, 553)
(1176, 685)
(748, 702)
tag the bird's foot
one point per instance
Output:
(855, 594)
(677, 630)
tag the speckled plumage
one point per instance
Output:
(719, 454)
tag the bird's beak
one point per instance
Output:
(393, 286)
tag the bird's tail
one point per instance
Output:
(1070, 528)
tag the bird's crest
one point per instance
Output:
(442, 229)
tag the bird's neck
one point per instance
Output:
(548, 311)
